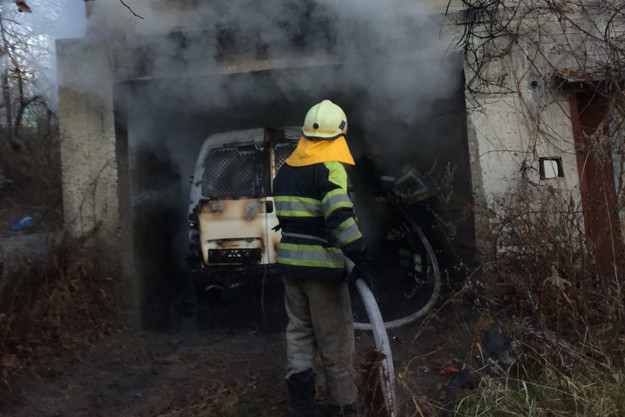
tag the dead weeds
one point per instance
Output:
(559, 318)
(54, 306)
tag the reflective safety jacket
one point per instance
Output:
(317, 220)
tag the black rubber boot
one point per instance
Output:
(301, 388)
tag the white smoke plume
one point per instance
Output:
(387, 63)
(186, 69)
(394, 55)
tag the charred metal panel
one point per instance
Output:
(232, 219)
(229, 224)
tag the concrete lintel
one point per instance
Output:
(241, 66)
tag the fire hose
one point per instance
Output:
(382, 344)
(378, 326)
(436, 275)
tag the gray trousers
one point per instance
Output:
(320, 321)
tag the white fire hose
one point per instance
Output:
(376, 325)
(381, 343)
(394, 324)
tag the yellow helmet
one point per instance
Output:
(324, 120)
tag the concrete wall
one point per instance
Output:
(504, 156)
(511, 125)
(88, 139)
(93, 203)
(517, 114)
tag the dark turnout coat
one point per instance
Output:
(317, 220)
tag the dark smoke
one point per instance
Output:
(228, 65)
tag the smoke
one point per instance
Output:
(393, 55)
(387, 63)
(187, 69)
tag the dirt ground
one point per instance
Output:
(194, 372)
(149, 374)
(192, 369)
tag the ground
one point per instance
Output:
(191, 371)
(199, 374)
(189, 368)
(149, 374)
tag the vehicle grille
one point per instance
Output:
(281, 152)
(231, 173)
(234, 256)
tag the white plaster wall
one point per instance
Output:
(504, 143)
(514, 123)
(90, 199)
(520, 116)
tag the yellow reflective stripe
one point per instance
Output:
(314, 248)
(283, 198)
(317, 264)
(287, 213)
(347, 232)
(336, 206)
(298, 209)
(345, 225)
(330, 194)
(337, 175)
(333, 200)
(291, 206)
(344, 240)
(310, 255)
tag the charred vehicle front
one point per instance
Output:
(231, 213)
(233, 226)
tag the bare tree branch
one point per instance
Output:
(131, 11)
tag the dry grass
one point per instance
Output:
(54, 306)
(563, 320)
(586, 391)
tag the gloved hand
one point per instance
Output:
(363, 270)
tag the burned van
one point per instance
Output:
(231, 214)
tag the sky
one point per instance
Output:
(59, 19)
(71, 22)
(50, 20)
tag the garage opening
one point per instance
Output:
(162, 124)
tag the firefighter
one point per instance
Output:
(318, 228)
